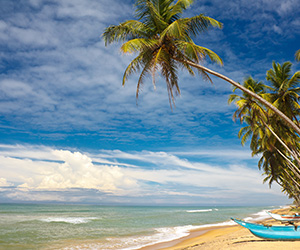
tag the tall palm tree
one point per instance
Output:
(250, 112)
(284, 95)
(163, 41)
(276, 157)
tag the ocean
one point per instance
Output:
(36, 226)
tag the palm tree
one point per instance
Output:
(160, 37)
(163, 41)
(246, 102)
(284, 95)
(285, 90)
(275, 160)
(250, 112)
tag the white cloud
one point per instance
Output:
(66, 77)
(4, 183)
(55, 173)
(76, 171)
(286, 7)
(60, 81)
(277, 29)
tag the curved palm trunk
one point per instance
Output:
(291, 192)
(294, 193)
(293, 180)
(289, 165)
(286, 147)
(254, 95)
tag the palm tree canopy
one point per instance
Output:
(246, 103)
(252, 113)
(275, 161)
(285, 90)
(163, 41)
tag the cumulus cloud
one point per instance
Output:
(44, 173)
(59, 81)
(78, 171)
(4, 183)
(75, 171)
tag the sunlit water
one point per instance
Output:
(103, 227)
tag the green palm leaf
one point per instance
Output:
(125, 31)
(138, 44)
(197, 53)
(297, 55)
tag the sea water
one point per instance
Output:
(36, 226)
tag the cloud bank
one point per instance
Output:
(35, 173)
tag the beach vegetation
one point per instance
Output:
(270, 138)
(163, 43)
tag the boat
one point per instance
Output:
(285, 217)
(271, 232)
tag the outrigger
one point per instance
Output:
(291, 232)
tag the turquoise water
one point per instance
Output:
(102, 227)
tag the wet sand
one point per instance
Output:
(229, 237)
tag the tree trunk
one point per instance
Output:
(254, 95)
(287, 148)
(290, 164)
(292, 179)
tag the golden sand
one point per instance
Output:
(230, 237)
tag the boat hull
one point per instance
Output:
(292, 218)
(271, 232)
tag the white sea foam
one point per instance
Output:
(165, 235)
(71, 220)
(161, 235)
(258, 216)
(199, 211)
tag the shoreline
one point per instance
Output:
(194, 235)
(225, 237)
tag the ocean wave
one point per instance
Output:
(258, 216)
(164, 235)
(199, 211)
(160, 235)
(71, 220)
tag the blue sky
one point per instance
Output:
(71, 133)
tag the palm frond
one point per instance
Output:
(125, 31)
(146, 70)
(138, 44)
(199, 24)
(197, 53)
(177, 30)
(133, 67)
(176, 9)
(297, 55)
(295, 80)
(233, 98)
(147, 11)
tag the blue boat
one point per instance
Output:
(285, 217)
(271, 232)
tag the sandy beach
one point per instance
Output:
(229, 237)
